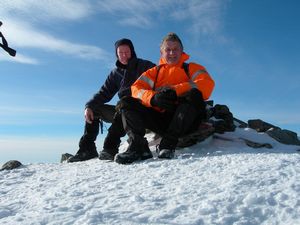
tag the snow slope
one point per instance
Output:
(214, 182)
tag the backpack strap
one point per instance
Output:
(185, 66)
(157, 71)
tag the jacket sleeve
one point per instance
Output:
(142, 66)
(142, 88)
(199, 78)
(148, 65)
(106, 92)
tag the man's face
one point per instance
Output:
(124, 54)
(171, 51)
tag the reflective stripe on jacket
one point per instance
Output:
(172, 76)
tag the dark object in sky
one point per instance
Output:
(4, 45)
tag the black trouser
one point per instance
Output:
(170, 125)
(108, 114)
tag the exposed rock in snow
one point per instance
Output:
(12, 164)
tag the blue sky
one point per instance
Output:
(65, 51)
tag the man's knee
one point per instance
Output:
(195, 98)
(127, 103)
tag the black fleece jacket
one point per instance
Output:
(119, 81)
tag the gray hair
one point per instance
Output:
(171, 37)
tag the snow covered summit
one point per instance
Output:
(219, 181)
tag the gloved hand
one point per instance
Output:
(165, 99)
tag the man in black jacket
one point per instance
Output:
(128, 69)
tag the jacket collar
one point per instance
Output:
(130, 62)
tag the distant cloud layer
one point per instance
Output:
(45, 9)
(22, 19)
(203, 15)
(20, 26)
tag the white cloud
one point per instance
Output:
(132, 12)
(136, 21)
(41, 149)
(10, 115)
(20, 16)
(204, 16)
(9, 142)
(29, 110)
(22, 20)
(21, 34)
(46, 9)
(19, 59)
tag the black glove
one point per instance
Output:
(165, 99)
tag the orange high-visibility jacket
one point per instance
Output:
(172, 76)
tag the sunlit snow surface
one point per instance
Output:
(214, 182)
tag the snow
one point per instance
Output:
(214, 182)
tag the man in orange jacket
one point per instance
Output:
(168, 99)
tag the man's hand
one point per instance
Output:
(89, 115)
(165, 99)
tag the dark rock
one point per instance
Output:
(254, 144)
(65, 157)
(284, 136)
(241, 123)
(12, 164)
(250, 143)
(219, 125)
(260, 125)
(204, 131)
(223, 119)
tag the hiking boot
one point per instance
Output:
(166, 154)
(166, 148)
(137, 150)
(107, 154)
(146, 154)
(83, 156)
(127, 157)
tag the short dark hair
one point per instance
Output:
(171, 37)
